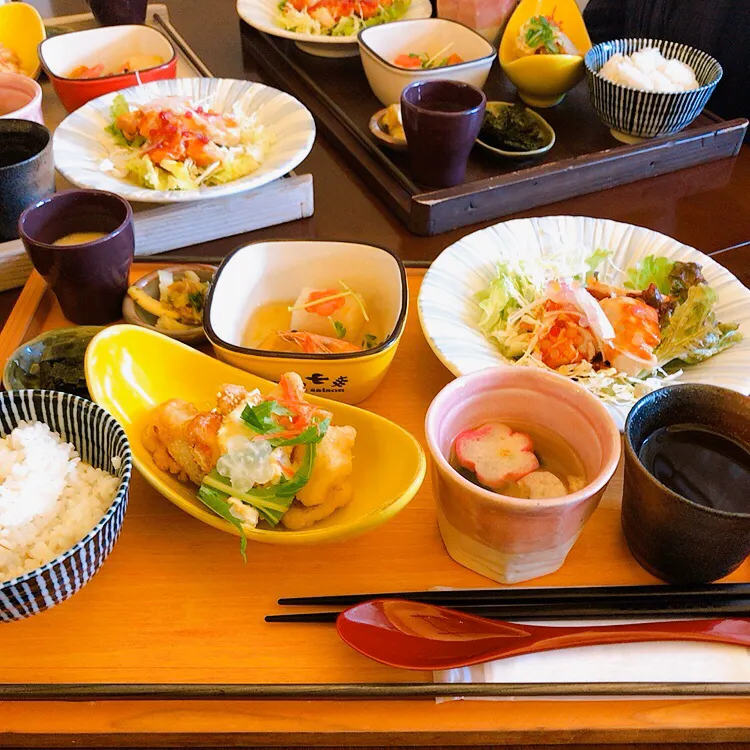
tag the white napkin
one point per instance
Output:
(631, 662)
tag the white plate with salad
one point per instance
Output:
(621, 309)
(184, 139)
(327, 28)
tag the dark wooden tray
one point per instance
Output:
(585, 158)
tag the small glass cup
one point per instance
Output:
(442, 120)
(89, 278)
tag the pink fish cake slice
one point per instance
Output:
(496, 454)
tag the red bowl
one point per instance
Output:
(111, 46)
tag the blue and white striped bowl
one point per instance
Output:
(99, 440)
(632, 114)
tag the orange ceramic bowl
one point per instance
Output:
(111, 46)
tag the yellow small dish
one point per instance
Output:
(130, 369)
(543, 80)
(21, 31)
(276, 272)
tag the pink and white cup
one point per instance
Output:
(20, 98)
(505, 538)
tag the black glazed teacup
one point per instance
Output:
(442, 120)
(27, 170)
(116, 12)
(678, 540)
(89, 278)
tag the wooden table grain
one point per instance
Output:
(147, 614)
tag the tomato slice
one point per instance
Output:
(408, 61)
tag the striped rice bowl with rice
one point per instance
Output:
(49, 498)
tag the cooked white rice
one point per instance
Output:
(49, 498)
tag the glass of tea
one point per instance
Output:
(686, 498)
(81, 242)
(441, 121)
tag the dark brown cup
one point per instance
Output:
(441, 121)
(116, 12)
(27, 171)
(672, 537)
(90, 279)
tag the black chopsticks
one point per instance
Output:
(602, 602)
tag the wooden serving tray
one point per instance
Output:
(160, 228)
(174, 611)
(585, 158)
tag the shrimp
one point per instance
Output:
(564, 340)
(637, 334)
(313, 343)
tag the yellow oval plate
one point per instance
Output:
(21, 30)
(130, 369)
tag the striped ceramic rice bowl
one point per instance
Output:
(632, 114)
(65, 468)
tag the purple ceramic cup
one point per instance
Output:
(116, 12)
(441, 121)
(89, 279)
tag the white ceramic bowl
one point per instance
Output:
(380, 45)
(20, 98)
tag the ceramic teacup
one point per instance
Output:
(27, 170)
(441, 120)
(678, 540)
(89, 278)
(117, 12)
(505, 538)
(20, 98)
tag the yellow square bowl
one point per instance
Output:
(266, 273)
(130, 370)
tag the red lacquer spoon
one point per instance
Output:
(420, 636)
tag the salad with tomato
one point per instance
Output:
(173, 144)
(338, 17)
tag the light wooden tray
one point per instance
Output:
(159, 229)
(175, 605)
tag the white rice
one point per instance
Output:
(649, 70)
(49, 498)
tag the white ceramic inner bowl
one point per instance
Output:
(268, 272)
(380, 45)
(111, 46)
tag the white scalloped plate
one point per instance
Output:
(448, 312)
(81, 142)
(261, 15)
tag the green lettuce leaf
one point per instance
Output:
(693, 334)
(653, 269)
(597, 258)
(507, 293)
(120, 107)
(217, 502)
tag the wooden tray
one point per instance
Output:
(159, 229)
(585, 158)
(175, 608)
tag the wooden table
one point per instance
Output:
(707, 207)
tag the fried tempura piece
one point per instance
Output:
(332, 468)
(300, 517)
(182, 440)
(229, 398)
